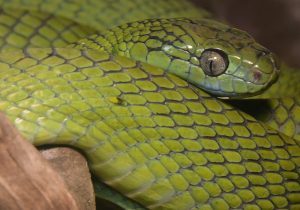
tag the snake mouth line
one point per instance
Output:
(259, 88)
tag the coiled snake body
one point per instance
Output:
(146, 126)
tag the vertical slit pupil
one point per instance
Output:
(211, 67)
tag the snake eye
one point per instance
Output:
(214, 62)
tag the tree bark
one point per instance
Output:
(28, 181)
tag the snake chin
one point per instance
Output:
(234, 95)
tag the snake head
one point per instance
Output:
(222, 60)
(217, 58)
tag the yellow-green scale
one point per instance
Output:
(20, 29)
(134, 146)
(101, 15)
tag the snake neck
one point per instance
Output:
(103, 43)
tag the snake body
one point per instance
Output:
(147, 133)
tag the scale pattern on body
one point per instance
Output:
(146, 133)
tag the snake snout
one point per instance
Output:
(250, 80)
(265, 72)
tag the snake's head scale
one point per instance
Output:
(219, 59)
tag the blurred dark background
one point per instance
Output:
(274, 23)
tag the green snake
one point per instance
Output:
(138, 99)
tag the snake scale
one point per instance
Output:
(130, 98)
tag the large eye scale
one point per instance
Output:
(214, 62)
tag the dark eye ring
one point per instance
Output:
(214, 62)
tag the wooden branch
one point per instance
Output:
(72, 167)
(27, 181)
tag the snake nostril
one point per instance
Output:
(256, 76)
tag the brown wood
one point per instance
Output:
(72, 167)
(27, 181)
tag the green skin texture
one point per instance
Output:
(148, 134)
